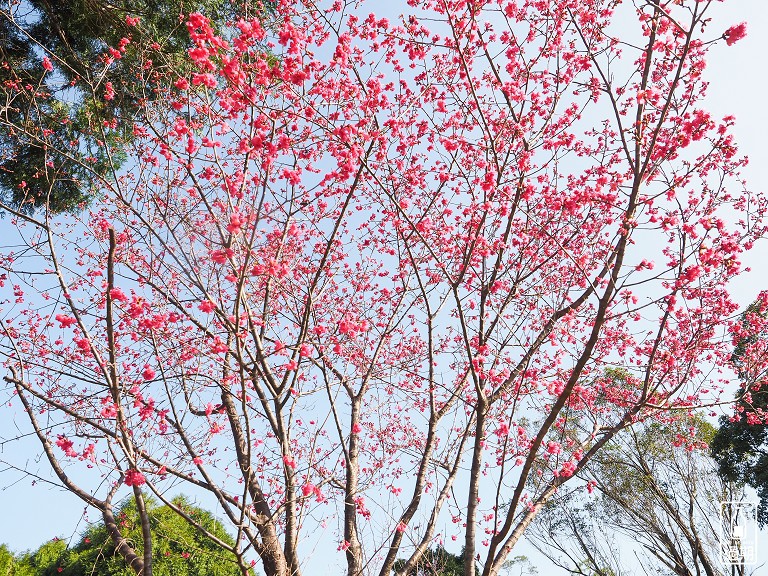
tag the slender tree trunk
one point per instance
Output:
(474, 490)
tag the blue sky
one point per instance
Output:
(33, 511)
(738, 86)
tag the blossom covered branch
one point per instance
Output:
(378, 274)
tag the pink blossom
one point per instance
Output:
(131, 21)
(197, 21)
(109, 411)
(89, 453)
(361, 508)
(148, 373)
(66, 445)
(83, 344)
(347, 327)
(220, 256)
(554, 448)
(65, 321)
(690, 274)
(198, 54)
(134, 478)
(735, 33)
(47, 64)
(207, 306)
(205, 79)
(218, 346)
(118, 294)
(235, 223)
(147, 409)
(568, 469)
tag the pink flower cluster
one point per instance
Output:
(134, 478)
(735, 33)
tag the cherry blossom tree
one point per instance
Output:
(365, 279)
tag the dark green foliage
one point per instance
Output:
(740, 451)
(437, 562)
(33, 134)
(740, 447)
(179, 549)
(60, 131)
(6, 561)
(43, 561)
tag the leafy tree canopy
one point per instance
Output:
(179, 549)
(75, 70)
(739, 447)
(436, 562)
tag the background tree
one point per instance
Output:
(377, 279)
(43, 561)
(740, 445)
(655, 487)
(7, 561)
(436, 561)
(90, 59)
(179, 548)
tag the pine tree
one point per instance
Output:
(94, 61)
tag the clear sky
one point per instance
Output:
(738, 86)
(32, 512)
